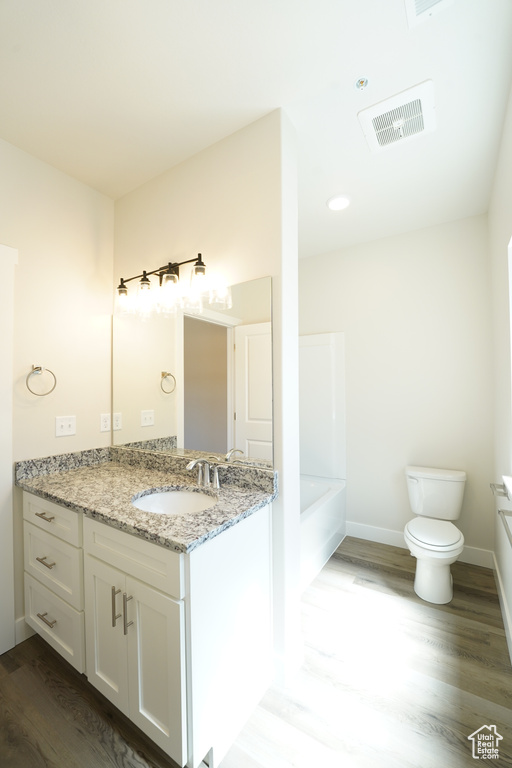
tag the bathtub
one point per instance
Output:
(322, 523)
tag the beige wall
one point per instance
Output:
(235, 203)
(416, 313)
(141, 351)
(500, 230)
(63, 296)
(8, 261)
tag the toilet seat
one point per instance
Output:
(436, 535)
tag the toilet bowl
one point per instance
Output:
(436, 498)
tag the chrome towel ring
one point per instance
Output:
(38, 370)
(165, 376)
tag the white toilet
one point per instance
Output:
(435, 496)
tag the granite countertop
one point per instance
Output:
(104, 492)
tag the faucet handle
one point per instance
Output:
(216, 481)
(203, 471)
(231, 453)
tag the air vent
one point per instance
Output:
(402, 117)
(421, 10)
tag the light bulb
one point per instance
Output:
(170, 296)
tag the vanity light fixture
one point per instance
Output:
(338, 202)
(170, 293)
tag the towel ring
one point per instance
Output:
(166, 375)
(37, 370)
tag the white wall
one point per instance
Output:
(63, 231)
(500, 231)
(416, 313)
(143, 349)
(235, 203)
(8, 260)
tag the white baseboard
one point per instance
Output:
(23, 631)
(505, 612)
(471, 555)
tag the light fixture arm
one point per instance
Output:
(172, 267)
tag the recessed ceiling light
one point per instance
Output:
(338, 202)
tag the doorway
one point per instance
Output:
(206, 385)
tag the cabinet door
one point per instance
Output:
(156, 666)
(106, 646)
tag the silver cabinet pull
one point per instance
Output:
(126, 623)
(42, 515)
(50, 624)
(115, 616)
(42, 560)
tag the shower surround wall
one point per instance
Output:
(322, 450)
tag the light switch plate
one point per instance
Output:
(65, 425)
(147, 418)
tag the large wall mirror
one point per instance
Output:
(197, 382)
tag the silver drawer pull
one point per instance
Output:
(42, 515)
(126, 623)
(42, 560)
(115, 616)
(41, 616)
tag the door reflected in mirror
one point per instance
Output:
(197, 382)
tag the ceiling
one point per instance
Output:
(114, 92)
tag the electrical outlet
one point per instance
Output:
(117, 421)
(65, 425)
(147, 418)
(105, 422)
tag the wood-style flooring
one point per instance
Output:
(388, 681)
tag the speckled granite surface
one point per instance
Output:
(103, 489)
(158, 444)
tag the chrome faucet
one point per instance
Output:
(230, 453)
(203, 471)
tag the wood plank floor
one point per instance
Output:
(388, 680)
(51, 717)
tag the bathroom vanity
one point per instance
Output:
(170, 619)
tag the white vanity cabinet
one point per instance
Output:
(135, 632)
(180, 642)
(53, 557)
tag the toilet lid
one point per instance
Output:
(434, 533)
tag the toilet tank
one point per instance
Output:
(435, 492)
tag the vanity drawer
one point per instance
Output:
(55, 563)
(59, 521)
(56, 621)
(154, 565)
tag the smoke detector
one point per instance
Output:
(421, 10)
(399, 118)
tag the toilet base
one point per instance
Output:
(433, 582)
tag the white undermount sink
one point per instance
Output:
(175, 502)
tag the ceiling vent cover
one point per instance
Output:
(401, 117)
(421, 10)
